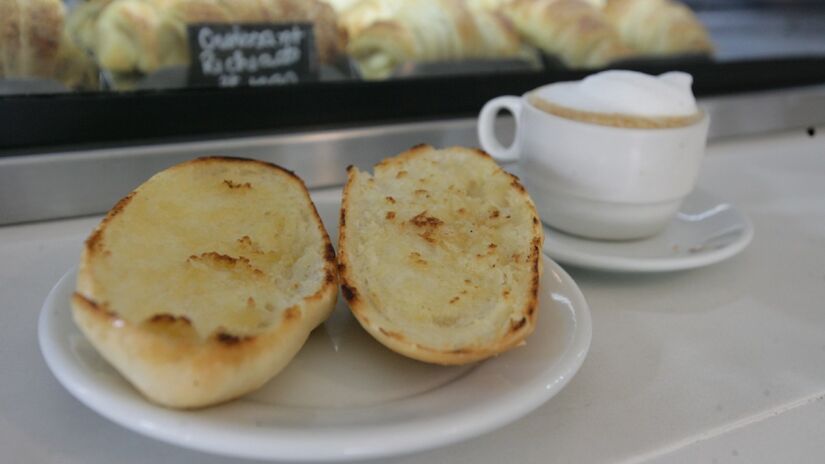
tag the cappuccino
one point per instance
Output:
(609, 157)
(624, 99)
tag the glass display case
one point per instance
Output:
(124, 71)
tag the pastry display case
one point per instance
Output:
(156, 70)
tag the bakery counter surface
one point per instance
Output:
(719, 364)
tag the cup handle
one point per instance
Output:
(486, 132)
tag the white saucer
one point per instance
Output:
(705, 231)
(344, 396)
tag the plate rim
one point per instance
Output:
(127, 413)
(576, 257)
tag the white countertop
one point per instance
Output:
(719, 364)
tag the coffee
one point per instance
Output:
(595, 155)
(613, 119)
(624, 99)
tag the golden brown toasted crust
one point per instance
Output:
(166, 338)
(93, 244)
(521, 326)
(163, 355)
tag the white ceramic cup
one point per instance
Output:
(598, 181)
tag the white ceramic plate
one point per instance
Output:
(344, 396)
(705, 231)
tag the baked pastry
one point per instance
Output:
(573, 30)
(80, 24)
(34, 44)
(364, 13)
(30, 32)
(498, 5)
(658, 27)
(204, 282)
(489, 5)
(342, 5)
(74, 67)
(439, 255)
(141, 36)
(430, 31)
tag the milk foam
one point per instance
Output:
(625, 92)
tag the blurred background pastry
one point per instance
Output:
(575, 31)
(658, 27)
(362, 13)
(581, 34)
(142, 36)
(33, 45)
(429, 31)
(130, 39)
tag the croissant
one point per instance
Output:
(341, 5)
(574, 30)
(30, 32)
(364, 13)
(658, 27)
(489, 5)
(34, 44)
(141, 36)
(429, 31)
(74, 67)
(80, 24)
(498, 5)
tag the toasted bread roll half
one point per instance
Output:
(439, 255)
(203, 283)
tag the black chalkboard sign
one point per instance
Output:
(236, 55)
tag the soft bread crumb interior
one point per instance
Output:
(439, 246)
(227, 246)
